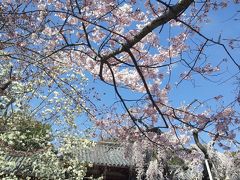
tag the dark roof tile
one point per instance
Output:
(106, 154)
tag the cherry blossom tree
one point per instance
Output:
(146, 51)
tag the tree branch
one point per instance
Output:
(171, 13)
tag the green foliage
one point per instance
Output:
(21, 132)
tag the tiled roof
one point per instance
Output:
(105, 154)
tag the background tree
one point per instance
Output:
(30, 147)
